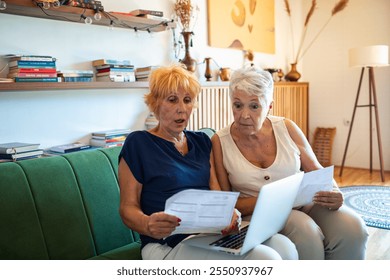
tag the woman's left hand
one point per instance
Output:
(332, 200)
(234, 225)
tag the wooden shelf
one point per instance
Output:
(69, 86)
(90, 85)
(73, 14)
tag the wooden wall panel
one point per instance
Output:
(291, 100)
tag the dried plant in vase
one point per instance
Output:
(183, 10)
(339, 6)
(187, 16)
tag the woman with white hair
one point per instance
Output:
(257, 149)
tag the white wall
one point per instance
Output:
(57, 117)
(333, 84)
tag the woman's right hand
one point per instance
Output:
(161, 225)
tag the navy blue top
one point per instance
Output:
(163, 171)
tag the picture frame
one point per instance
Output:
(246, 25)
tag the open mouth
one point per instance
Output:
(179, 121)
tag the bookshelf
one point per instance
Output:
(73, 14)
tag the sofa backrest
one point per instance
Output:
(62, 207)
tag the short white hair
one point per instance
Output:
(254, 82)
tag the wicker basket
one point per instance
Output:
(323, 143)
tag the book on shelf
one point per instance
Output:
(19, 57)
(22, 155)
(108, 77)
(32, 70)
(103, 143)
(32, 64)
(146, 69)
(75, 73)
(31, 75)
(115, 73)
(158, 18)
(111, 132)
(107, 68)
(76, 79)
(68, 148)
(87, 4)
(141, 12)
(17, 147)
(103, 61)
(111, 138)
(49, 153)
(36, 80)
(104, 66)
(142, 79)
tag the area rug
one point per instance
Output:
(371, 202)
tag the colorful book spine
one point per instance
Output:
(115, 69)
(32, 75)
(32, 64)
(100, 62)
(33, 70)
(38, 80)
(32, 58)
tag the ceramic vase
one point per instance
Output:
(188, 61)
(293, 75)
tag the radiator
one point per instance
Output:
(213, 110)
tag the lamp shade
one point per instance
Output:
(371, 56)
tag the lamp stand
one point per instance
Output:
(372, 104)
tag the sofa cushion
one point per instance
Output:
(60, 208)
(100, 194)
(18, 216)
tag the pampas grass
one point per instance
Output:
(340, 5)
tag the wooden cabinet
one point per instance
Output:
(291, 100)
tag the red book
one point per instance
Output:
(33, 70)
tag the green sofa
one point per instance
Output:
(64, 208)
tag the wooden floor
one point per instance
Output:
(378, 247)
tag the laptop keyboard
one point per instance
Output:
(233, 241)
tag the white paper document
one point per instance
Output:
(313, 182)
(202, 211)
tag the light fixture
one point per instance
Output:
(97, 16)
(368, 57)
(3, 5)
(46, 5)
(87, 20)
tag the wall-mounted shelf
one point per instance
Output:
(90, 85)
(73, 14)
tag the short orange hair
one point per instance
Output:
(167, 80)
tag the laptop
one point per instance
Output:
(270, 215)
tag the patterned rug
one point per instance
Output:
(371, 202)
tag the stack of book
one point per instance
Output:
(142, 73)
(113, 70)
(76, 75)
(17, 151)
(150, 14)
(145, 12)
(109, 138)
(32, 68)
(67, 148)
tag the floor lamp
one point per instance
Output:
(368, 57)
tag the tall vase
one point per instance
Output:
(207, 73)
(188, 61)
(293, 75)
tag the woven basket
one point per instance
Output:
(323, 143)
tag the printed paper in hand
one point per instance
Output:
(202, 211)
(313, 182)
